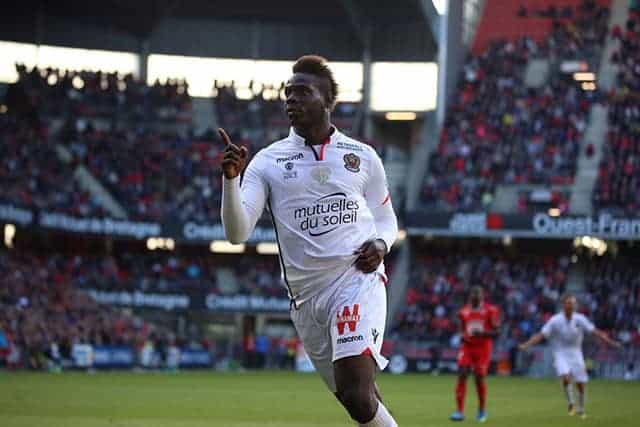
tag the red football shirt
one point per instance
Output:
(482, 319)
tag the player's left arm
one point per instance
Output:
(372, 252)
(599, 333)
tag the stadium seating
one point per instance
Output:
(31, 173)
(617, 189)
(130, 136)
(41, 308)
(44, 299)
(536, 19)
(499, 131)
(525, 288)
(613, 293)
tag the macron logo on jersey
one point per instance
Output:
(349, 318)
(298, 156)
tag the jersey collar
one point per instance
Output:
(335, 135)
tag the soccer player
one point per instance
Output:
(565, 331)
(334, 222)
(479, 324)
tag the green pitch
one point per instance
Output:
(286, 399)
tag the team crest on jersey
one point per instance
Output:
(321, 174)
(352, 162)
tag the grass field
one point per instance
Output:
(200, 399)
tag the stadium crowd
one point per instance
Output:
(137, 140)
(618, 185)
(526, 289)
(59, 93)
(45, 309)
(612, 295)
(43, 315)
(499, 131)
(32, 175)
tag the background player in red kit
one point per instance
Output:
(479, 324)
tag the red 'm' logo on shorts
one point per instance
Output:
(349, 318)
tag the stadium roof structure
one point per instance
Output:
(405, 26)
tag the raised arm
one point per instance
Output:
(243, 204)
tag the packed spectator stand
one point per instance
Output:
(498, 131)
(525, 288)
(617, 189)
(45, 300)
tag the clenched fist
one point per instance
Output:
(370, 255)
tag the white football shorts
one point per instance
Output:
(570, 363)
(346, 319)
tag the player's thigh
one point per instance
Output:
(465, 359)
(358, 314)
(316, 342)
(482, 362)
(561, 365)
(579, 370)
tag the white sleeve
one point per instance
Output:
(547, 329)
(242, 204)
(586, 324)
(379, 202)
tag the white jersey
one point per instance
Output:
(322, 200)
(566, 335)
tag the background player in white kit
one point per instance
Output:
(328, 199)
(565, 331)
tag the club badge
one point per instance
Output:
(352, 162)
(321, 174)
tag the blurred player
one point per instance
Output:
(479, 324)
(328, 199)
(565, 331)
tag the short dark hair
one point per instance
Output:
(565, 296)
(317, 65)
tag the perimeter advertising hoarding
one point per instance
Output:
(538, 225)
(190, 232)
(192, 301)
(124, 357)
(479, 224)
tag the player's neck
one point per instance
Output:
(316, 134)
(568, 314)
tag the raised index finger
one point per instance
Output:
(225, 138)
